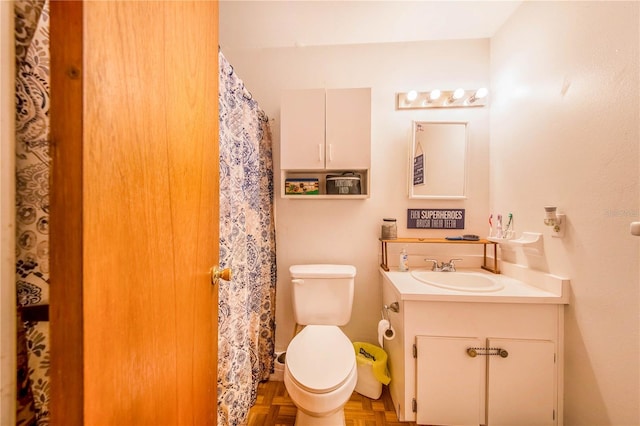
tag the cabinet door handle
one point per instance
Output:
(319, 152)
(474, 352)
(330, 152)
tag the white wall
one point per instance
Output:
(7, 217)
(347, 231)
(565, 131)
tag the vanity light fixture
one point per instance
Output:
(436, 98)
(554, 219)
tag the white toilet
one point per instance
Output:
(320, 371)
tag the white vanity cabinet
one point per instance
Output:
(520, 388)
(325, 131)
(446, 366)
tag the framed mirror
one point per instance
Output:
(438, 160)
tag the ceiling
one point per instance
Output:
(281, 23)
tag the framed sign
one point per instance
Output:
(435, 218)
(418, 166)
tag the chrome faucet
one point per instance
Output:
(443, 267)
(449, 267)
(434, 267)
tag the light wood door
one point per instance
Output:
(134, 212)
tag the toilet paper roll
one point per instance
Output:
(385, 332)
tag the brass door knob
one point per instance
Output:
(217, 274)
(472, 352)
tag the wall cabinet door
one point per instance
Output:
(348, 129)
(521, 388)
(302, 137)
(325, 129)
(449, 383)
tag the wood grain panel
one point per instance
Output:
(149, 191)
(65, 199)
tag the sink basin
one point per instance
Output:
(461, 281)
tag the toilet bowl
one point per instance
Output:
(320, 374)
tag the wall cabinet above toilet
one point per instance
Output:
(325, 131)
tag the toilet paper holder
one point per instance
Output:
(393, 307)
(385, 329)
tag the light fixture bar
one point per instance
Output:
(458, 98)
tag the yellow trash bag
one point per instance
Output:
(372, 369)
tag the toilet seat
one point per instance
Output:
(320, 358)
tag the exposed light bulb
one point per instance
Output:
(481, 93)
(458, 93)
(434, 94)
(412, 96)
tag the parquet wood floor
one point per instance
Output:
(273, 407)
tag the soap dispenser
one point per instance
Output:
(403, 265)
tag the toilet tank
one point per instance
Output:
(322, 294)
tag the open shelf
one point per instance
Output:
(321, 175)
(482, 241)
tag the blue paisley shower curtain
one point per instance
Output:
(247, 245)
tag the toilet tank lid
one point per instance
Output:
(322, 271)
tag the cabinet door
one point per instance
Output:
(521, 388)
(348, 137)
(449, 383)
(302, 129)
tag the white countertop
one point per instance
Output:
(539, 287)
